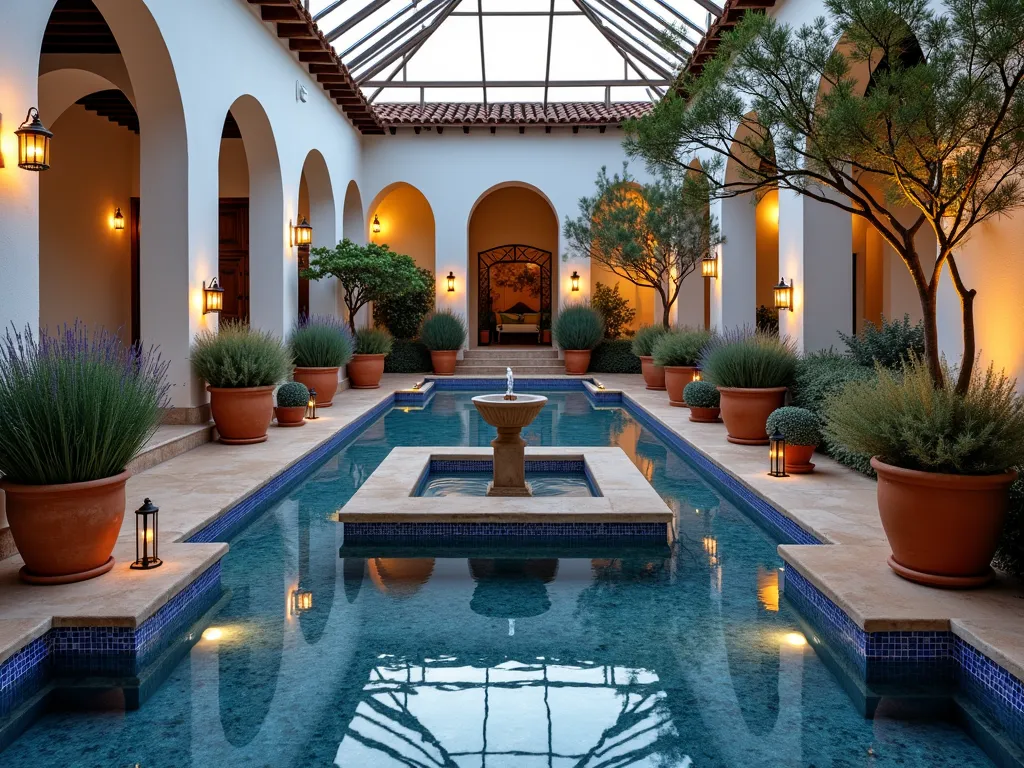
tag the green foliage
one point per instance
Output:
(645, 339)
(577, 326)
(798, 425)
(767, 320)
(75, 407)
(742, 358)
(701, 394)
(905, 420)
(614, 356)
(321, 341)
(614, 309)
(681, 347)
(238, 356)
(1010, 556)
(373, 341)
(890, 344)
(402, 313)
(292, 394)
(408, 356)
(366, 272)
(444, 331)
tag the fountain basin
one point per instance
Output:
(502, 413)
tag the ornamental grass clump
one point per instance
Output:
(645, 339)
(237, 356)
(681, 347)
(292, 394)
(749, 359)
(444, 331)
(373, 341)
(75, 406)
(578, 327)
(701, 394)
(906, 421)
(798, 425)
(321, 342)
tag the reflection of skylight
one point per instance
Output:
(512, 50)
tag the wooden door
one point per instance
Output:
(303, 282)
(233, 272)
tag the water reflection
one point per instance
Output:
(400, 577)
(528, 595)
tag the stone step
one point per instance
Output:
(513, 363)
(477, 354)
(498, 371)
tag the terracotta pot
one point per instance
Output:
(242, 414)
(577, 361)
(545, 336)
(704, 415)
(798, 459)
(364, 371)
(745, 412)
(291, 416)
(323, 380)
(943, 529)
(654, 375)
(444, 361)
(485, 338)
(66, 533)
(676, 379)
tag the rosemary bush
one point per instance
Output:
(888, 344)
(645, 339)
(373, 341)
(681, 347)
(75, 406)
(798, 425)
(578, 327)
(752, 359)
(321, 342)
(238, 356)
(701, 394)
(292, 394)
(444, 331)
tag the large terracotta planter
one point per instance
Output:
(242, 414)
(676, 379)
(66, 533)
(577, 361)
(943, 529)
(364, 371)
(798, 459)
(654, 375)
(704, 415)
(291, 416)
(443, 361)
(323, 380)
(745, 412)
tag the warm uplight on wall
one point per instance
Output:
(709, 266)
(376, 225)
(784, 295)
(146, 537)
(777, 455)
(451, 282)
(118, 220)
(33, 143)
(575, 277)
(213, 297)
(302, 233)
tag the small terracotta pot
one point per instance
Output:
(364, 371)
(66, 533)
(704, 415)
(323, 380)
(242, 414)
(577, 361)
(292, 415)
(676, 379)
(745, 412)
(798, 459)
(444, 361)
(654, 375)
(943, 529)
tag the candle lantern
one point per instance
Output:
(709, 266)
(213, 297)
(33, 143)
(777, 455)
(311, 405)
(697, 374)
(146, 537)
(302, 233)
(575, 277)
(784, 295)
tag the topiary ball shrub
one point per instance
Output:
(578, 327)
(444, 331)
(408, 356)
(614, 356)
(292, 394)
(798, 425)
(373, 341)
(749, 359)
(238, 356)
(681, 347)
(321, 342)
(645, 339)
(701, 394)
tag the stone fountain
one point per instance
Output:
(509, 413)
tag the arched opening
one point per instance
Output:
(353, 227)
(316, 207)
(513, 267)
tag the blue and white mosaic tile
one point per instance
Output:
(486, 465)
(522, 384)
(991, 688)
(357, 532)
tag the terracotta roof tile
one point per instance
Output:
(519, 113)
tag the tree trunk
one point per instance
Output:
(966, 295)
(931, 336)
(665, 321)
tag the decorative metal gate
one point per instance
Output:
(508, 254)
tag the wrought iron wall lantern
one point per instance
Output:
(302, 233)
(451, 282)
(376, 225)
(118, 220)
(709, 266)
(213, 297)
(33, 143)
(575, 277)
(784, 295)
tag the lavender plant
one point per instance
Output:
(321, 341)
(75, 406)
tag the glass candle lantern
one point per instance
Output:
(777, 455)
(33, 143)
(709, 266)
(302, 233)
(784, 295)
(311, 405)
(146, 537)
(213, 297)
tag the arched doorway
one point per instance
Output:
(316, 206)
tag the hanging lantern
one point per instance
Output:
(709, 266)
(302, 601)
(118, 220)
(376, 225)
(213, 297)
(33, 143)
(451, 282)
(311, 405)
(302, 233)
(145, 537)
(784, 295)
(777, 455)
(575, 277)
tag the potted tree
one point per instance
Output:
(752, 371)
(577, 329)
(802, 430)
(944, 463)
(703, 399)
(367, 364)
(292, 400)
(75, 408)
(241, 367)
(677, 353)
(320, 345)
(643, 347)
(444, 333)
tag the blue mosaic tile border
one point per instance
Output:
(990, 687)
(486, 465)
(22, 674)
(358, 532)
(522, 385)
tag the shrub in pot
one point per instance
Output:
(703, 399)
(292, 400)
(944, 464)
(752, 370)
(367, 364)
(802, 430)
(241, 367)
(444, 333)
(577, 329)
(678, 353)
(75, 408)
(643, 347)
(320, 346)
